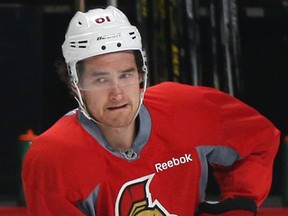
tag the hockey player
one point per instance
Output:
(122, 154)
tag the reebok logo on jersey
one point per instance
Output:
(174, 161)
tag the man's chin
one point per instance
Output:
(117, 123)
(120, 124)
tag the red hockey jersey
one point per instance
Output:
(71, 170)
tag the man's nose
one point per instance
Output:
(116, 92)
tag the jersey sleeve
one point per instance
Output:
(48, 203)
(44, 190)
(255, 139)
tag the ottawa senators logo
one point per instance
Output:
(134, 199)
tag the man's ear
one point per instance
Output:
(73, 88)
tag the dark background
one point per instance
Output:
(32, 96)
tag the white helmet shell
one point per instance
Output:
(96, 32)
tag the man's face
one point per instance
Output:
(110, 88)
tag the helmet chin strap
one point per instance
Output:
(85, 112)
(81, 103)
(141, 94)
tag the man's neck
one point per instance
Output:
(121, 138)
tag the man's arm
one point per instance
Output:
(256, 141)
(44, 188)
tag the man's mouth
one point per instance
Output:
(112, 108)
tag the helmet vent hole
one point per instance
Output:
(103, 47)
(82, 44)
(133, 35)
(79, 23)
(79, 44)
(118, 44)
(72, 44)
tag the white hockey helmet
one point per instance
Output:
(96, 32)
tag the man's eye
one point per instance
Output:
(100, 80)
(126, 75)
